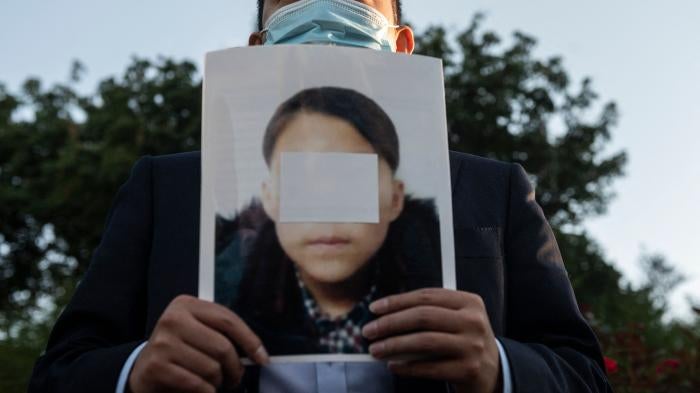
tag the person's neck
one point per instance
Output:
(338, 299)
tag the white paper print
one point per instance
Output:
(320, 164)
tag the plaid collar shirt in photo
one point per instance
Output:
(342, 334)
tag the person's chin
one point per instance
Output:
(330, 272)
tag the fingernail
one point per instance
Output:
(370, 330)
(377, 349)
(261, 356)
(378, 306)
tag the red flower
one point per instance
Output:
(668, 365)
(610, 365)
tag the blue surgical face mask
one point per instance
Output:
(329, 22)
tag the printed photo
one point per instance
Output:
(313, 214)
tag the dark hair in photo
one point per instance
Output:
(261, 4)
(363, 113)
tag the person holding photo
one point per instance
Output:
(308, 285)
(513, 325)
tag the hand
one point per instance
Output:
(439, 334)
(191, 349)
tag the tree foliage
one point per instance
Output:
(64, 154)
(62, 157)
(507, 104)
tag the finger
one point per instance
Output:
(225, 321)
(198, 362)
(420, 318)
(215, 345)
(438, 369)
(439, 297)
(418, 345)
(180, 379)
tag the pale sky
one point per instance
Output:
(644, 54)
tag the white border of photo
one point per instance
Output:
(243, 87)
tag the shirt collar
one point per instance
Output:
(341, 334)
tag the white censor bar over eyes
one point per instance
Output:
(329, 187)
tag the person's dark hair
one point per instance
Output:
(396, 4)
(368, 118)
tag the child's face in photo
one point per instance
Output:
(330, 253)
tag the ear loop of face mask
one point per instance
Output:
(375, 18)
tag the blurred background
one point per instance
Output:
(597, 100)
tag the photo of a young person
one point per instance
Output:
(305, 287)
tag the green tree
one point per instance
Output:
(504, 103)
(62, 158)
(62, 161)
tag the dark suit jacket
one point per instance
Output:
(505, 252)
